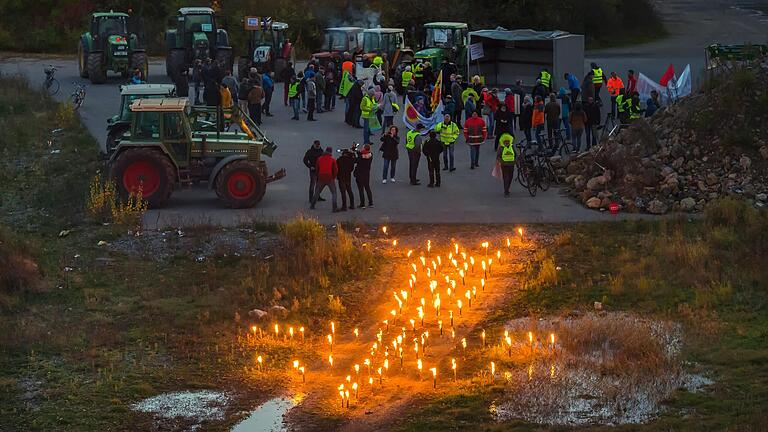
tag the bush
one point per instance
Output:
(104, 205)
(18, 272)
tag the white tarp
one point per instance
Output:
(678, 87)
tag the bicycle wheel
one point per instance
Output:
(565, 148)
(77, 100)
(52, 86)
(543, 178)
(533, 182)
(549, 170)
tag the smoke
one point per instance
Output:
(354, 17)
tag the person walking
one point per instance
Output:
(368, 109)
(505, 157)
(552, 113)
(311, 87)
(363, 175)
(390, 153)
(592, 110)
(503, 124)
(310, 161)
(475, 133)
(388, 105)
(413, 146)
(255, 98)
(578, 119)
(346, 165)
(327, 171)
(269, 88)
(293, 96)
(449, 133)
(432, 149)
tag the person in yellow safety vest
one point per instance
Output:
(377, 62)
(405, 78)
(225, 96)
(546, 79)
(634, 108)
(598, 78)
(449, 133)
(418, 75)
(413, 145)
(293, 97)
(368, 108)
(465, 95)
(505, 157)
(621, 106)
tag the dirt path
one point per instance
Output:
(402, 387)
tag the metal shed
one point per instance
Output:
(509, 55)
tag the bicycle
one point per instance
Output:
(559, 145)
(51, 84)
(78, 96)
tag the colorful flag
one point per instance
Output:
(668, 75)
(437, 93)
(346, 83)
(412, 117)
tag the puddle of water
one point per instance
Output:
(268, 417)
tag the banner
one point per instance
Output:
(411, 117)
(437, 93)
(677, 87)
(346, 83)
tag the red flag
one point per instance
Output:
(668, 75)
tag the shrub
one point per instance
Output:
(103, 204)
(18, 271)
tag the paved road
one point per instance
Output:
(466, 196)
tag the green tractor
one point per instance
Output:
(110, 46)
(196, 37)
(118, 124)
(445, 40)
(162, 151)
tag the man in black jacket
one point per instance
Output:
(346, 164)
(310, 161)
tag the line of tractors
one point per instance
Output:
(115, 42)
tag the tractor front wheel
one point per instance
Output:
(139, 61)
(144, 171)
(82, 64)
(96, 71)
(240, 185)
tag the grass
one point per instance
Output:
(709, 275)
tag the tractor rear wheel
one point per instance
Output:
(240, 185)
(96, 71)
(82, 65)
(139, 61)
(144, 170)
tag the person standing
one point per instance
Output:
(546, 80)
(537, 118)
(565, 110)
(526, 119)
(405, 78)
(631, 82)
(470, 106)
(449, 106)
(615, 84)
(363, 175)
(413, 145)
(255, 98)
(231, 83)
(598, 78)
(449, 133)
(475, 133)
(490, 106)
(390, 153)
(573, 86)
(327, 171)
(592, 110)
(432, 149)
(652, 104)
(503, 124)
(505, 157)
(456, 95)
(552, 112)
(346, 165)
(587, 88)
(539, 90)
(310, 161)
(311, 87)
(269, 88)
(578, 119)
(330, 88)
(388, 104)
(242, 95)
(293, 96)
(368, 109)
(320, 89)
(197, 79)
(287, 74)
(352, 104)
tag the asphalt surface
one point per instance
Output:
(467, 196)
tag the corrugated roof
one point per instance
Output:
(500, 33)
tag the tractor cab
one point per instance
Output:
(337, 41)
(444, 40)
(388, 43)
(196, 36)
(120, 123)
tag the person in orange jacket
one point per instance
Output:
(615, 84)
(537, 120)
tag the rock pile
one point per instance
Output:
(685, 156)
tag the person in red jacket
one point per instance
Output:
(475, 133)
(327, 171)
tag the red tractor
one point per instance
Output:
(269, 49)
(337, 41)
